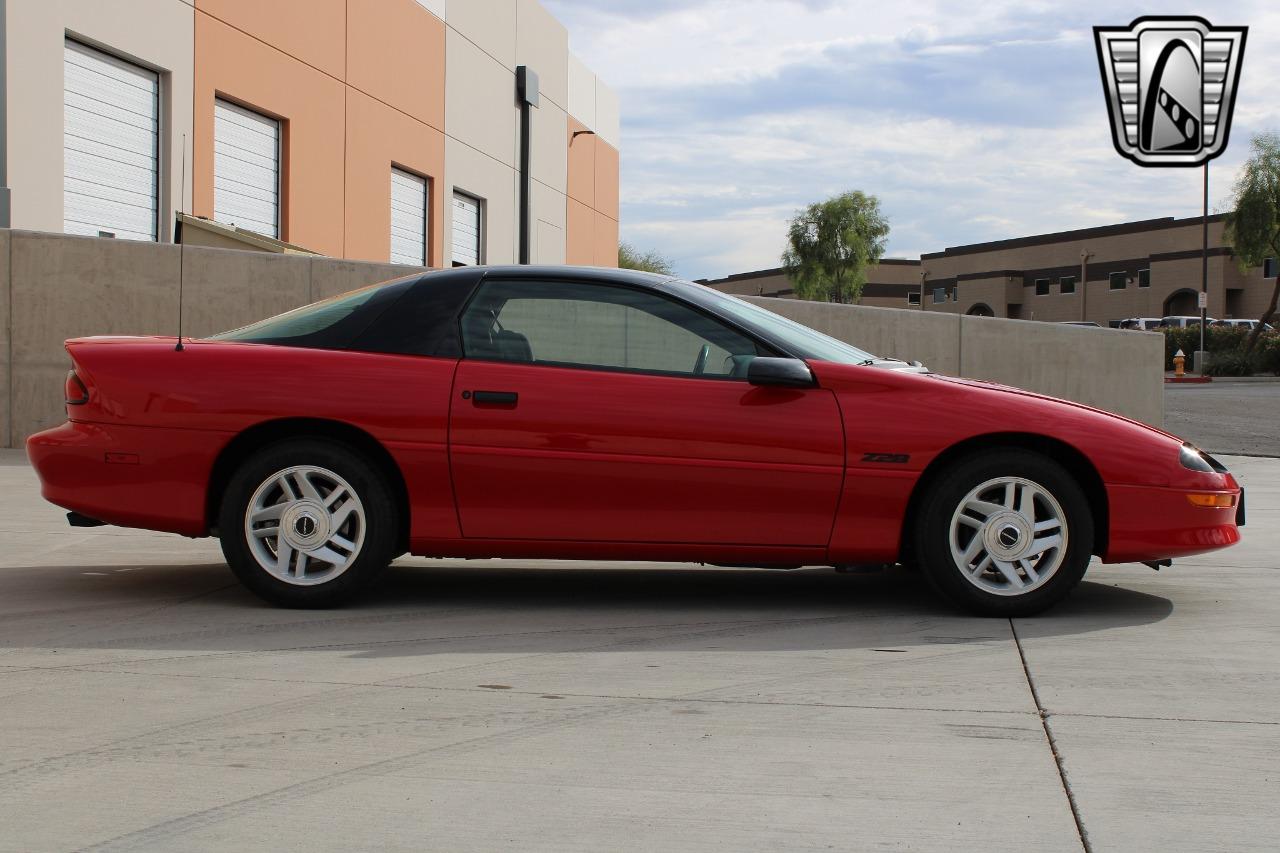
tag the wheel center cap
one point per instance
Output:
(1007, 536)
(305, 525)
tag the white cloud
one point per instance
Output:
(970, 122)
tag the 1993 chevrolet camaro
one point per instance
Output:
(602, 414)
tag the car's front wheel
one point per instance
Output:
(307, 523)
(1005, 533)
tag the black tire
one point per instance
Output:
(933, 530)
(381, 522)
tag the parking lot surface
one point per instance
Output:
(148, 703)
(1225, 416)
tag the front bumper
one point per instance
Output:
(1156, 522)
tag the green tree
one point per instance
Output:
(1253, 228)
(631, 258)
(831, 243)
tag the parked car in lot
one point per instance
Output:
(571, 413)
(1144, 324)
(1182, 322)
(1249, 325)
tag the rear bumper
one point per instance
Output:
(1154, 523)
(128, 476)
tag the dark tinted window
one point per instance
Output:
(578, 324)
(1042, 287)
(1144, 278)
(329, 324)
(1067, 284)
(1118, 280)
(425, 319)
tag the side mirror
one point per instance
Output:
(787, 372)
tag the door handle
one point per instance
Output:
(494, 398)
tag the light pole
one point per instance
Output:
(1202, 356)
(1085, 255)
(924, 274)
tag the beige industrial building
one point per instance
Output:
(378, 130)
(1150, 268)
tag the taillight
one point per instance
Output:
(76, 393)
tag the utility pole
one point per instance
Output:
(924, 274)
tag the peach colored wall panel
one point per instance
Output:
(311, 107)
(606, 176)
(605, 241)
(379, 137)
(579, 238)
(309, 30)
(582, 164)
(395, 52)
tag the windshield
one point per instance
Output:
(800, 340)
(328, 324)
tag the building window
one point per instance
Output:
(1042, 287)
(246, 169)
(410, 212)
(939, 294)
(913, 298)
(1118, 280)
(1144, 278)
(467, 222)
(110, 139)
(1067, 284)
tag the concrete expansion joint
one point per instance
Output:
(1052, 742)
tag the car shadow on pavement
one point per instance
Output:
(426, 607)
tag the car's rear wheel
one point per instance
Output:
(308, 523)
(1005, 533)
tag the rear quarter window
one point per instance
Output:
(332, 323)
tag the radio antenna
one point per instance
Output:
(182, 245)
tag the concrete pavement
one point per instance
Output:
(1226, 416)
(147, 703)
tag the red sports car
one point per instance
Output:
(606, 415)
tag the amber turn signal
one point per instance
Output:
(1216, 501)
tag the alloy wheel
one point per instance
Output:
(1008, 536)
(305, 525)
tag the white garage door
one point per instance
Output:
(408, 218)
(246, 169)
(111, 130)
(466, 230)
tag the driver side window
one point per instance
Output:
(575, 324)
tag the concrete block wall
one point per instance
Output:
(1120, 371)
(54, 287)
(69, 287)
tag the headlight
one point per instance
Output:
(1198, 460)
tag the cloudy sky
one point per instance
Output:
(970, 121)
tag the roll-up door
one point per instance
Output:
(466, 230)
(408, 218)
(246, 169)
(111, 124)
